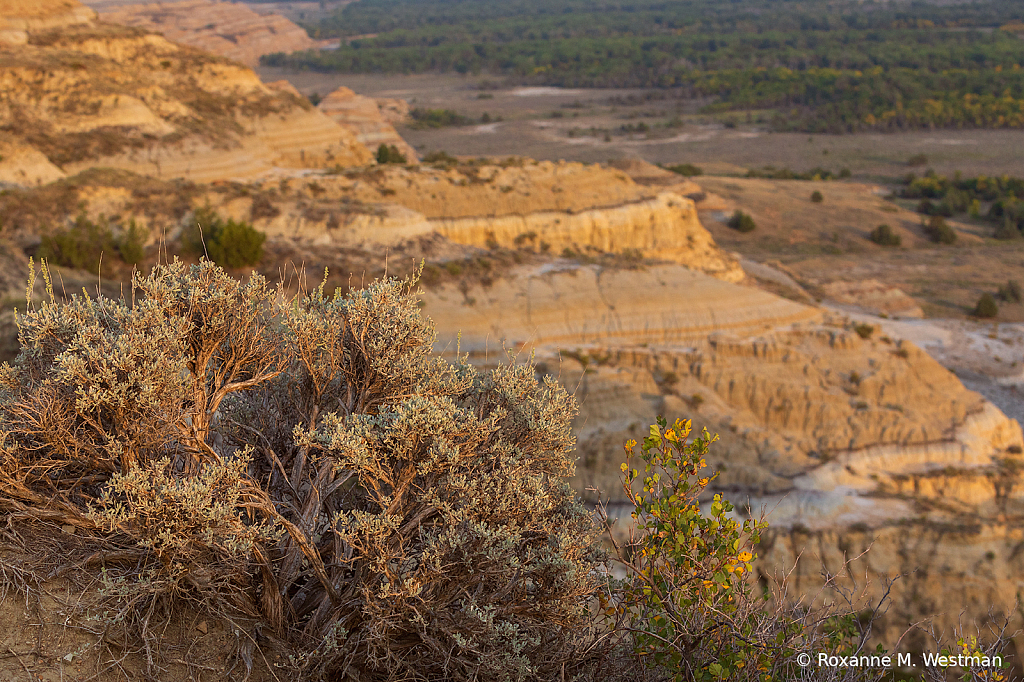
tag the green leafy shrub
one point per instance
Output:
(1011, 292)
(437, 118)
(864, 330)
(939, 231)
(86, 244)
(742, 222)
(883, 235)
(688, 606)
(986, 306)
(685, 169)
(230, 243)
(389, 154)
(816, 197)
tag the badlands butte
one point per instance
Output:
(871, 457)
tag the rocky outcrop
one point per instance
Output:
(393, 110)
(229, 29)
(874, 297)
(567, 305)
(25, 166)
(665, 228)
(870, 460)
(363, 116)
(19, 17)
(104, 95)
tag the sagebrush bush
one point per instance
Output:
(306, 468)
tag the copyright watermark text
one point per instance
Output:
(927, 660)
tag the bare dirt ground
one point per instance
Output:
(537, 122)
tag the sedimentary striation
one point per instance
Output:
(567, 305)
(19, 17)
(91, 94)
(369, 118)
(229, 29)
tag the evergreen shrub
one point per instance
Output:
(883, 235)
(742, 222)
(939, 231)
(986, 306)
(230, 243)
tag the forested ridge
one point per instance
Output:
(810, 65)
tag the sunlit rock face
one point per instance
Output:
(371, 120)
(229, 29)
(84, 93)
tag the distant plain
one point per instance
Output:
(537, 122)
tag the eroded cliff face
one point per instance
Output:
(870, 459)
(381, 207)
(93, 94)
(19, 17)
(369, 118)
(229, 29)
(567, 306)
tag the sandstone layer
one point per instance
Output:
(229, 29)
(365, 117)
(848, 446)
(873, 296)
(89, 95)
(19, 17)
(384, 206)
(565, 305)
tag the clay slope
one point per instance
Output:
(848, 444)
(105, 95)
(565, 305)
(384, 206)
(229, 29)
(18, 17)
(366, 117)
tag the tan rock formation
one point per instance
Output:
(665, 228)
(567, 305)
(393, 110)
(363, 115)
(18, 17)
(229, 29)
(871, 460)
(103, 95)
(22, 165)
(874, 297)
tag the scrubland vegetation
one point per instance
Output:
(304, 469)
(807, 65)
(942, 196)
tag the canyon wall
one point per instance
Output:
(229, 29)
(93, 94)
(366, 117)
